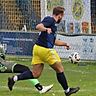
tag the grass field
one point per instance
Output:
(83, 76)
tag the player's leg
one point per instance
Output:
(23, 76)
(56, 64)
(28, 75)
(62, 79)
(60, 74)
(37, 69)
(35, 73)
(41, 89)
(18, 68)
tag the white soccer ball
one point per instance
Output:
(74, 57)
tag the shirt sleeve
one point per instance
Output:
(47, 21)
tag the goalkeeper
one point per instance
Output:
(11, 67)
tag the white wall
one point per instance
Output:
(84, 45)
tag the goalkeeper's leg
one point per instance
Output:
(18, 68)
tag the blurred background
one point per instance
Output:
(14, 14)
(18, 19)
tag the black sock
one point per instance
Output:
(18, 68)
(38, 86)
(25, 75)
(62, 80)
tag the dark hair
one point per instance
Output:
(58, 10)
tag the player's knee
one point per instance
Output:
(58, 67)
(59, 70)
(36, 74)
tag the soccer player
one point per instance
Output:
(43, 52)
(11, 67)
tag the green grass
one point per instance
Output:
(83, 76)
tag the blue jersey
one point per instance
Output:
(45, 39)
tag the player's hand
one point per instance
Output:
(67, 46)
(48, 30)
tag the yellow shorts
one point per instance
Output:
(44, 55)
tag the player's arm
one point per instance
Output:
(41, 27)
(62, 43)
(45, 24)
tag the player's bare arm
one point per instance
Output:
(41, 27)
(62, 43)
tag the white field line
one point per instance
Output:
(53, 91)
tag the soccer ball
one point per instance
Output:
(74, 57)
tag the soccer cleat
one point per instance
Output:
(46, 89)
(10, 83)
(72, 91)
